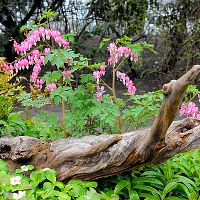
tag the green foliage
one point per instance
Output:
(28, 26)
(47, 15)
(42, 184)
(144, 109)
(103, 42)
(191, 93)
(43, 125)
(35, 101)
(58, 57)
(8, 92)
(6, 106)
(119, 16)
(137, 48)
(6, 87)
(70, 37)
(13, 124)
(176, 179)
(93, 117)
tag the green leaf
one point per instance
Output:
(28, 26)
(152, 198)
(90, 184)
(147, 188)
(51, 176)
(77, 188)
(48, 15)
(59, 185)
(48, 186)
(70, 37)
(103, 42)
(64, 196)
(173, 198)
(13, 116)
(57, 100)
(37, 177)
(90, 195)
(133, 195)
(121, 185)
(168, 188)
(3, 166)
(85, 78)
(30, 167)
(147, 180)
(192, 89)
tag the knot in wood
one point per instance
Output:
(167, 88)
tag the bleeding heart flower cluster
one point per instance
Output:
(190, 110)
(37, 35)
(36, 58)
(117, 52)
(97, 75)
(127, 82)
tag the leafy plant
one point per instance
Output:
(144, 109)
(13, 125)
(42, 184)
(176, 179)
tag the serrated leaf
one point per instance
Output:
(70, 37)
(103, 42)
(57, 100)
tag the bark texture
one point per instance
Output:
(93, 157)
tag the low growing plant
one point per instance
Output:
(176, 179)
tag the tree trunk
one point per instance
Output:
(93, 157)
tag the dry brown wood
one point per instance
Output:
(93, 157)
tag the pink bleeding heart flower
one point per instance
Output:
(39, 83)
(102, 70)
(47, 50)
(190, 110)
(51, 87)
(100, 91)
(64, 73)
(97, 75)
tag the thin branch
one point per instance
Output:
(35, 5)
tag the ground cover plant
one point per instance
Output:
(89, 106)
(178, 178)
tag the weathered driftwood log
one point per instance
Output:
(93, 157)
